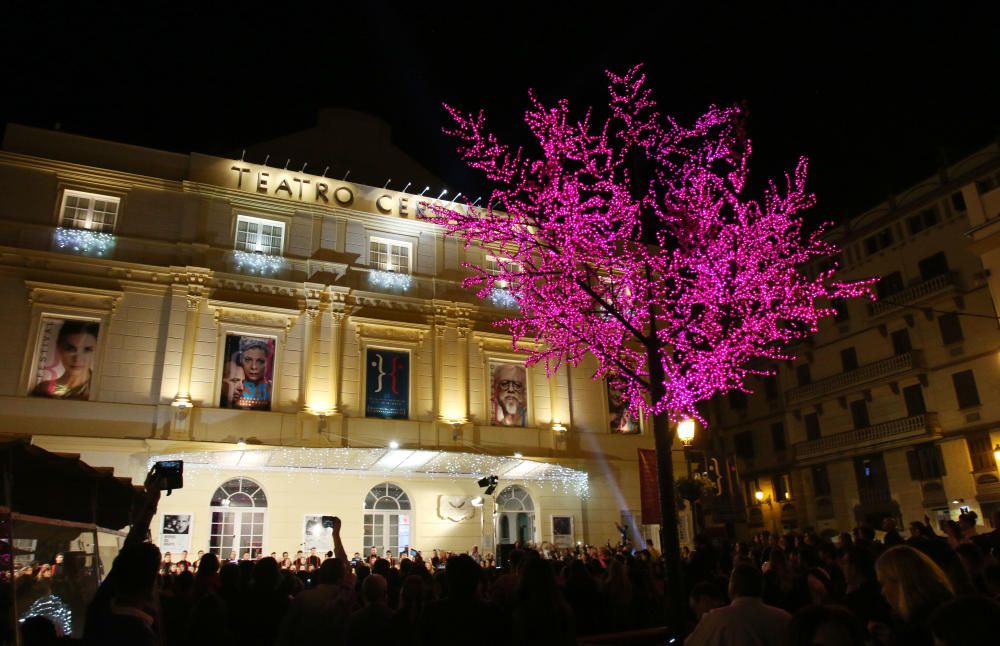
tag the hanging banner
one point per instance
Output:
(175, 532)
(649, 491)
(387, 384)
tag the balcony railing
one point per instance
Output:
(870, 372)
(915, 293)
(874, 437)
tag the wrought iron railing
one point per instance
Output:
(860, 375)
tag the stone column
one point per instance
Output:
(336, 359)
(194, 301)
(462, 359)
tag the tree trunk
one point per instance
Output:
(663, 433)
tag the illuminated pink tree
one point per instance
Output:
(632, 240)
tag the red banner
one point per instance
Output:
(649, 490)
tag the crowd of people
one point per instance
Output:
(858, 588)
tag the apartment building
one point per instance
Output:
(890, 409)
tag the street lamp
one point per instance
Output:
(996, 452)
(685, 431)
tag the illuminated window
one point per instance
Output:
(89, 211)
(492, 266)
(257, 235)
(389, 255)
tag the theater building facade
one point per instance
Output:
(303, 344)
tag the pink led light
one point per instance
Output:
(723, 286)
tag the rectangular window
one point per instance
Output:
(859, 413)
(913, 396)
(803, 375)
(743, 444)
(492, 266)
(821, 480)
(965, 389)
(841, 313)
(778, 436)
(257, 235)
(849, 359)
(901, 342)
(981, 452)
(737, 400)
(811, 422)
(951, 328)
(89, 211)
(925, 462)
(389, 255)
(781, 484)
(921, 221)
(771, 387)
(872, 479)
(878, 242)
(958, 201)
(933, 266)
(889, 284)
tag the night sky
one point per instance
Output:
(877, 98)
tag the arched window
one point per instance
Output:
(386, 519)
(239, 509)
(515, 516)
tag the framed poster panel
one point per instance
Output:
(387, 383)
(562, 531)
(620, 418)
(247, 372)
(314, 535)
(66, 358)
(175, 532)
(508, 403)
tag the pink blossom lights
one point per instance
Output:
(632, 240)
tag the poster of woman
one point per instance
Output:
(67, 356)
(622, 420)
(247, 373)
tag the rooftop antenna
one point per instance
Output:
(287, 162)
(345, 175)
(386, 183)
(426, 188)
(304, 167)
(266, 157)
(326, 169)
(407, 186)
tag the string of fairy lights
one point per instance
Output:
(367, 462)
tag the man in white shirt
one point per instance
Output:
(747, 621)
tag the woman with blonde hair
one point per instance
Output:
(914, 586)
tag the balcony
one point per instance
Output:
(918, 292)
(871, 372)
(878, 437)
